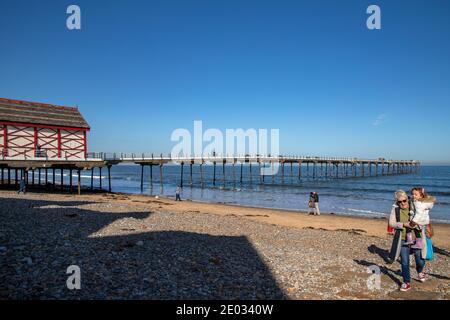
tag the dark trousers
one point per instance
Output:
(404, 257)
(177, 197)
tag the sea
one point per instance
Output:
(361, 196)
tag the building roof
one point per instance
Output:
(19, 111)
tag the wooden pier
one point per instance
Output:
(301, 167)
(36, 138)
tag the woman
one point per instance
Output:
(399, 220)
(313, 204)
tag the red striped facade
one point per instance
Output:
(23, 140)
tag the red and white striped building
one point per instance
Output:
(36, 130)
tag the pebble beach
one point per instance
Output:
(142, 247)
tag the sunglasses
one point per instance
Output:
(403, 201)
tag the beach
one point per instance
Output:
(145, 247)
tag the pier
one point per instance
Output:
(35, 170)
(39, 138)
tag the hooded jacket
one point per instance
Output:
(422, 208)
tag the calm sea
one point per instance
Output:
(369, 196)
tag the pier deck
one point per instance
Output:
(316, 167)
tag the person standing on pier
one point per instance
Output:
(22, 186)
(177, 193)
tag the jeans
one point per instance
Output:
(177, 197)
(404, 256)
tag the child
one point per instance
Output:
(422, 203)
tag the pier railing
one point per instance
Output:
(131, 157)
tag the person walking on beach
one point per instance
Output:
(399, 219)
(313, 204)
(177, 193)
(22, 186)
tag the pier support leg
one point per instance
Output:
(92, 179)
(307, 170)
(241, 172)
(3, 176)
(46, 177)
(223, 173)
(190, 174)
(142, 178)
(299, 170)
(32, 176)
(181, 175)
(100, 173)
(62, 179)
(161, 175)
(273, 174)
(234, 175)
(151, 176)
(79, 182)
(214, 173)
(314, 171)
(70, 181)
(201, 174)
(251, 175)
(261, 176)
(39, 176)
(9, 176)
(109, 179)
(291, 173)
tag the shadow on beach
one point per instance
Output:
(42, 238)
(395, 275)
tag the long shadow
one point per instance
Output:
(383, 253)
(440, 251)
(42, 238)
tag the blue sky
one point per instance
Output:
(140, 69)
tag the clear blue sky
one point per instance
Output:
(140, 69)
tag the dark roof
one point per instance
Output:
(41, 113)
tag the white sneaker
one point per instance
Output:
(422, 277)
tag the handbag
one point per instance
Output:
(429, 249)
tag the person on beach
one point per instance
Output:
(313, 204)
(399, 219)
(177, 193)
(420, 212)
(22, 186)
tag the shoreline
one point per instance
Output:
(371, 226)
(368, 226)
